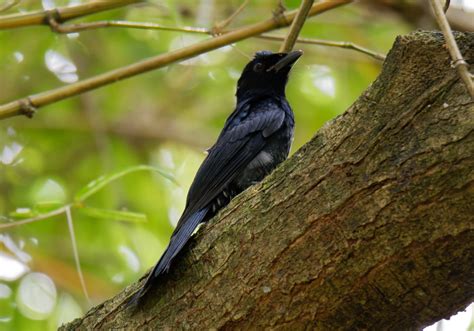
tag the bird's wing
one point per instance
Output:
(242, 138)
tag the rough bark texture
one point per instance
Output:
(368, 226)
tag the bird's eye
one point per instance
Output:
(258, 67)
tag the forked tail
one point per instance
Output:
(179, 238)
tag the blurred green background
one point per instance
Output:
(165, 118)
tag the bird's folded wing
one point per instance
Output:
(238, 144)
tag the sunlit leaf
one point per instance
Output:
(23, 213)
(47, 206)
(114, 215)
(102, 181)
(47, 192)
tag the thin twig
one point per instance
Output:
(446, 5)
(458, 62)
(330, 43)
(69, 28)
(36, 101)
(55, 212)
(61, 14)
(220, 26)
(296, 26)
(8, 4)
(76, 252)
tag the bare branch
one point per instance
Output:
(458, 62)
(61, 14)
(55, 212)
(296, 26)
(63, 210)
(446, 5)
(69, 28)
(8, 4)
(330, 43)
(220, 26)
(76, 252)
(28, 105)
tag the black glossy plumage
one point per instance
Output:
(256, 137)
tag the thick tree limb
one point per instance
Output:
(368, 226)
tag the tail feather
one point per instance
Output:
(177, 242)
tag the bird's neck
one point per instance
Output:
(250, 95)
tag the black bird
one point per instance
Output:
(256, 137)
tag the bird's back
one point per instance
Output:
(256, 138)
(262, 131)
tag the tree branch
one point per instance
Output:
(330, 43)
(296, 26)
(28, 106)
(368, 225)
(78, 27)
(8, 4)
(75, 251)
(61, 14)
(458, 62)
(41, 217)
(220, 26)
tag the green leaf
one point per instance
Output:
(23, 213)
(47, 191)
(114, 215)
(47, 206)
(102, 181)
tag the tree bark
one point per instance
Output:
(368, 226)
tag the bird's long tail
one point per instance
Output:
(177, 241)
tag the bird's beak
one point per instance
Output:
(287, 61)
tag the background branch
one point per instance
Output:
(220, 26)
(330, 43)
(296, 26)
(61, 14)
(75, 251)
(8, 4)
(41, 217)
(27, 106)
(458, 62)
(78, 27)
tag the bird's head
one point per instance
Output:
(267, 73)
